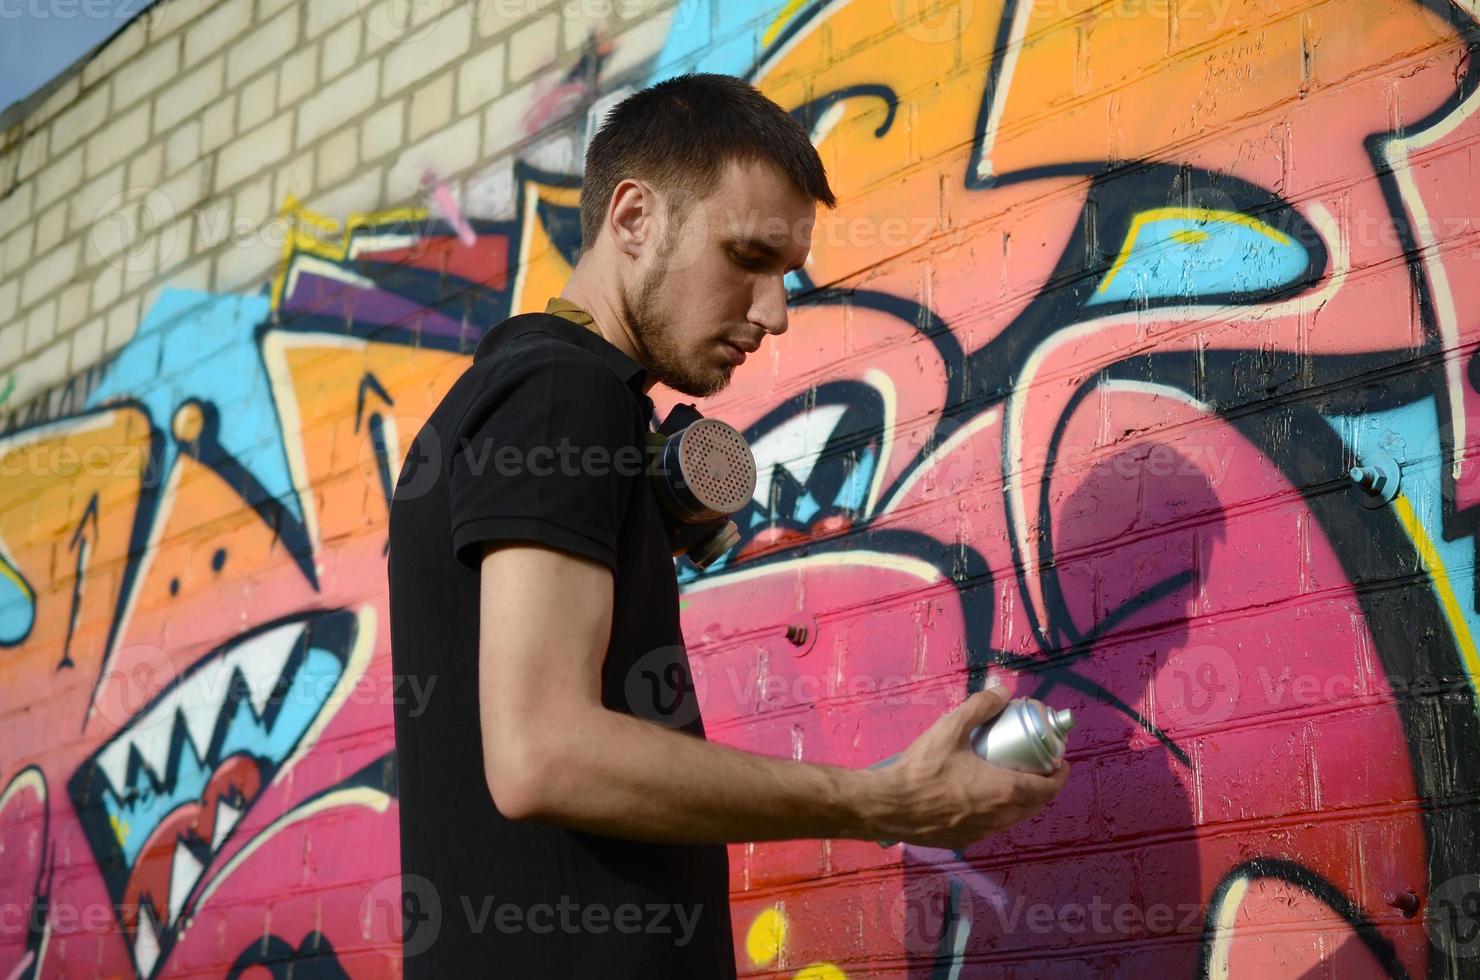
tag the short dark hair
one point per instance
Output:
(679, 134)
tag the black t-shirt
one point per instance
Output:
(485, 896)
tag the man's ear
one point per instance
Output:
(632, 216)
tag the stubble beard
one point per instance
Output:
(655, 331)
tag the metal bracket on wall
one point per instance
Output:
(1375, 482)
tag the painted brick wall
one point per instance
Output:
(1117, 297)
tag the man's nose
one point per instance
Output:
(769, 306)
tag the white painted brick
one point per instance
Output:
(48, 273)
(294, 178)
(79, 121)
(337, 102)
(122, 48)
(188, 96)
(341, 48)
(12, 342)
(216, 125)
(394, 22)
(254, 204)
(147, 169)
(166, 18)
(99, 196)
(245, 267)
(33, 154)
(72, 306)
(18, 248)
(324, 14)
(59, 177)
(145, 73)
(118, 139)
(640, 44)
(15, 207)
(10, 294)
(41, 326)
(45, 370)
(175, 246)
(183, 147)
(449, 152)
(215, 222)
(501, 121)
(142, 264)
(63, 96)
(298, 76)
(266, 8)
(360, 195)
(123, 323)
(427, 50)
(534, 47)
(498, 16)
(196, 276)
(480, 80)
(51, 228)
(338, 155)
(431, 107)
(264, 46)
(181, 192)
(254, 152)
(258, 100)
(381, 132)
(224, 23)
(87, 345)
(107, 285)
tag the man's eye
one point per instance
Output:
(749, 262)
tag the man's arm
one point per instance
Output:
(553, 751)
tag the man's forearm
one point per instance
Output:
(618, 775)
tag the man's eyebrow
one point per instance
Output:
(765, 248)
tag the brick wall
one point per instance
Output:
(1117, 297)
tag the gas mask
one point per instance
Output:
(702, 471)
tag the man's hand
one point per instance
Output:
(939, 793)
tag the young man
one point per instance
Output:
(561, 813)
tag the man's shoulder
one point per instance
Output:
(525, 347)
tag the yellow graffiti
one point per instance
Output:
(766, 937)
(821, 971)
(1453, 612)
(1188, 236)
(6, 571)
(787, 13)
(318, 234)
(120, 827)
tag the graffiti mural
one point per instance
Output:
(1113, 302)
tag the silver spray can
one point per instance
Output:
(1027, 735)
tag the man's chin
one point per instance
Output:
(696, 387)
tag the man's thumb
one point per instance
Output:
(983, 705)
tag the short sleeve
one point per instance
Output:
(547, 452)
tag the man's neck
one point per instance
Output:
(606, 318)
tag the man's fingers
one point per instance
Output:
(1049, 785)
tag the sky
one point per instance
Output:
(40, 38)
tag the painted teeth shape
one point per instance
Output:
(184, 873)
(226, 818)
(146, 943)
(200, 702)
